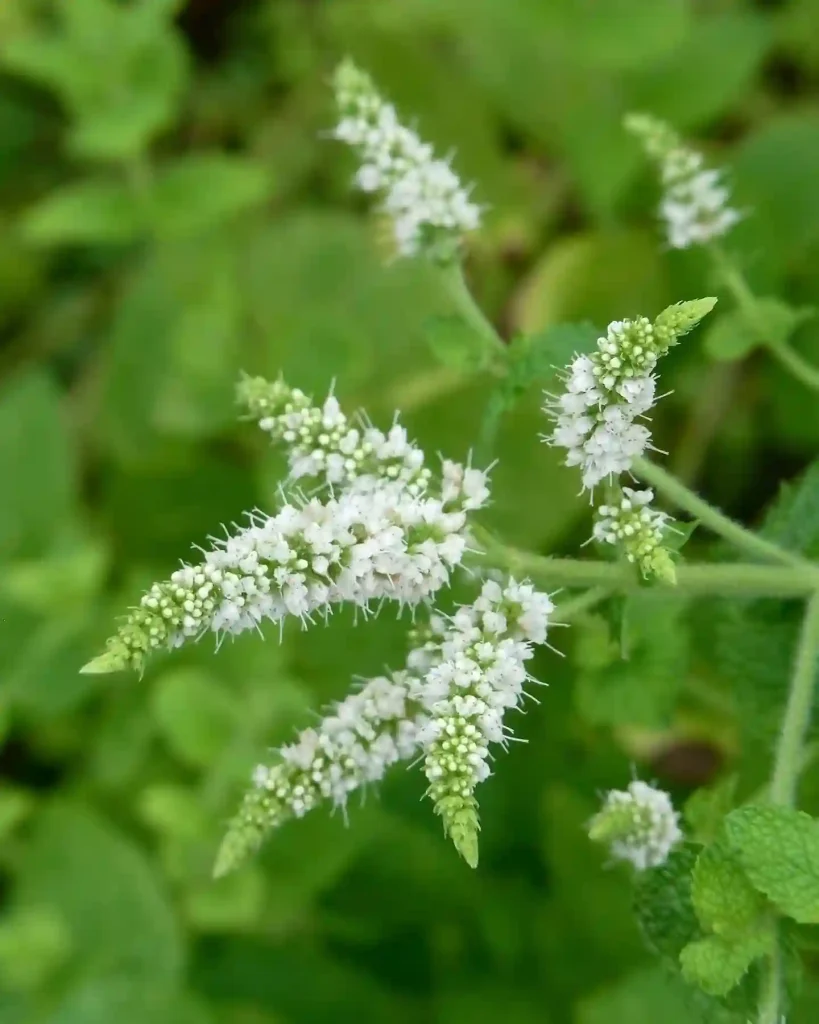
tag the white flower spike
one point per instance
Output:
(323, 443)
(638, 824)
(358, 548)
(431, 211)
(695, 206)
(609, 391)
(448, 704)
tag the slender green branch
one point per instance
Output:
(726, 579)
(566, 610)
(747, 303)
(790, 748)
(771, 987)
(792, 754)
(453, 279)
(798, 367)
(664, 483)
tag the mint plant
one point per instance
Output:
(367, 519)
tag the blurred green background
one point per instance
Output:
(170, 214)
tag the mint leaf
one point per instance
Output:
(705, 809)
(455, 343)
(724, 899)
(779, 849)
(728, 338)
(793, 519)
(662, 902)
(716, 965)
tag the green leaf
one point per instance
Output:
(200, 191)
(119, 70)
(96, 211)
(727, 337)
(708, 72)
(15, 806)
(706, 808)
(779, 849)
(195, 715)
(662, 902)
(793, 519)
(37, 457)
(774, 321)
(645, 997)
(723, 897)
(717, 965)
(104, 889)
(641, 688)
(535, 359)
(34, 944)
(780, 162)
(454, 343)
(592, 276)
(624, 33)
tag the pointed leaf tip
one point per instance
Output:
(467, 845)
(103, 664)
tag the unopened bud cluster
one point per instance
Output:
(599, 417)
(639, 825)
(637, 530)
(431, 211)
(695, 204)
(323, 443)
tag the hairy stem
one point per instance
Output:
(798, 367)
(457, 289)
(746, 301)
(791, 756)
(667, 485)
(729, 578)
(789, 751)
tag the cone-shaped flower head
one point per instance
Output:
(325, 444)
(391, 719)
(638, 530)
(609, 391)
(354, 744)
(638, 824)
(431, 211)
(477, 675)
(695, 206)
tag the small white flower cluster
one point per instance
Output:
(389, 532)
(695, 204)
(322, 442)
(596, 418)
(639, 824)
(605, 394)
(358, 548)
(448, 703)
(353, 745)
(638, 530)
(431, 211)
(477, 674)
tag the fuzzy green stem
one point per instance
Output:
(794, 363)
(565, 611)
(771, 987)
(667, 485)
(727, 579)
(746, 301)
(789, 751)
(788, 764)
(452, 277)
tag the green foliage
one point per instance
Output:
(724, 899)
(717, 965)
(171, 212)
(779, 850)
